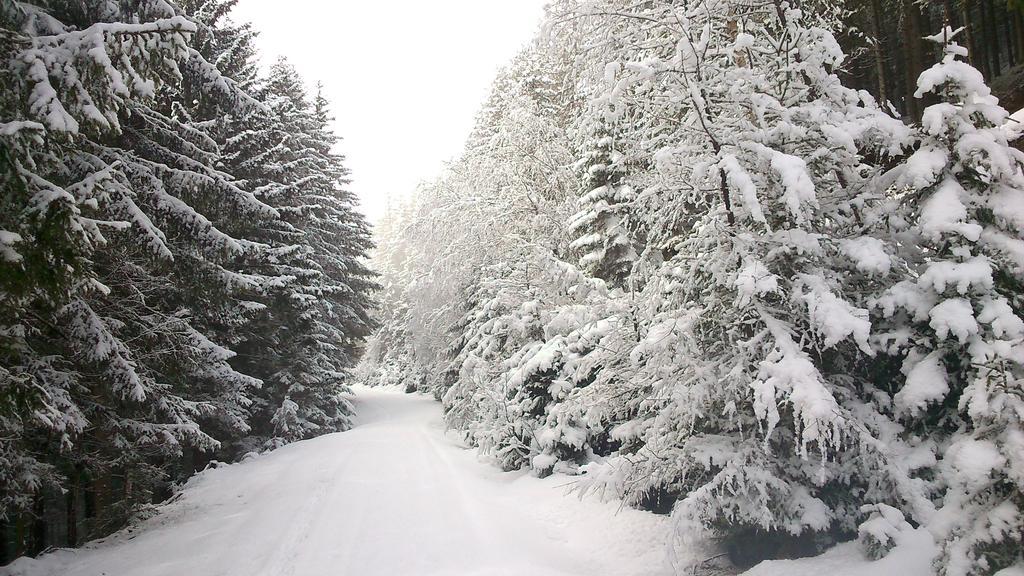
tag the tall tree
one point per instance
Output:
(101, 191)
(957, 320)
(316, 301)
(142, 237)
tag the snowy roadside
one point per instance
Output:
(912, 557)
(396, 496)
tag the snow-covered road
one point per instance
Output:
(395, 496)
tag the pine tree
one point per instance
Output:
(602, 224)
(957, 320)
(753, 328)
(99, 192)
(317, 290)
(341, 241)
(773, 376)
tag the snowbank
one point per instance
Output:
(913, 557)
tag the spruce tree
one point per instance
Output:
(754, 421)
(100, 194)
(602, 224)
(316, 288)
(957, 320)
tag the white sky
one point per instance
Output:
(405, 77)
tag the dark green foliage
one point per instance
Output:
(137, 259)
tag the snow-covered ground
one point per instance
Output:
(912, 557)
(394, 496)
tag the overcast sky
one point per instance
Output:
(405, 77)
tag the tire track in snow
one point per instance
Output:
(286, 554)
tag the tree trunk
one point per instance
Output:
(38, 537)
(991, 34)
(1013, 29)
(73, 496)
(102, 493)
(881, 83)
(1006, 15)
(914, 62)
(950, 16)
(5, 545)
(1018, 19)
(20, 534)
(973, 50)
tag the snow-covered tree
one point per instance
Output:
(100, 206)
(957, 319)
(341, 240)
(602, 224)
(755, 421)
(748, 341)
(316, 290)
(134, 253)
(511, 190)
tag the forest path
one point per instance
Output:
(395, 496)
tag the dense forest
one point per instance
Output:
(183, 275)
(754, 266)
(757, 265)
(887, 49)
